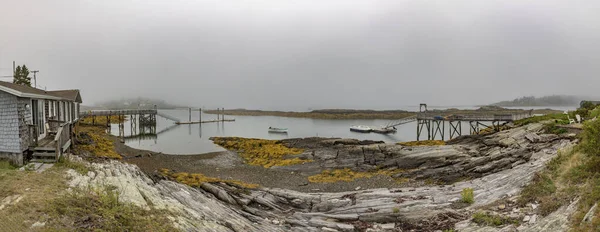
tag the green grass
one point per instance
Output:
(6, 165)
(551, 128)
(486, 219)
(77, 166)
(559, 118)
(467, 196)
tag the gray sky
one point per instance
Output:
(282, 54)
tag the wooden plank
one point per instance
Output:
(66, 146)
(44, 154)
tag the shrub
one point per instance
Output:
(551, 128)
(590, 138)
(467, 196)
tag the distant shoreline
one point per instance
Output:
(346, 114)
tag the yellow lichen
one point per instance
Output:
(346, 174)
(101, 120)
(196, 179)
(423, 143)
(261, 152)
(100, 145)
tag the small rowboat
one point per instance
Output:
(277, 130)
(361, 129)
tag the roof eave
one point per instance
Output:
(28, 95)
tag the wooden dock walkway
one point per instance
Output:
(209, 121)
(117, 112)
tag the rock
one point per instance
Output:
(507, 142)
(328, 229)
(357, 188)
(534, 138)
(388, 226)
(515, 210)
(526, 218)
(38, 224)
(502, 207)
(534, 206)
(91, 174)
(533, 219)
(590, 214)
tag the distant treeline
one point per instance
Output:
(555, 100)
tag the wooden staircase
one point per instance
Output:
(44, 155)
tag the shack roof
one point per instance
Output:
(31, 92)
(70, 94)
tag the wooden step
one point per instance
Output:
(44, 149)
(43, 160)
(44, 154)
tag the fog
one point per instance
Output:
(295, 55)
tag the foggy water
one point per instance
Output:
(194, 139)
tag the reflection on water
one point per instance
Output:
(169, 138)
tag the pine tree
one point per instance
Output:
(21, 76)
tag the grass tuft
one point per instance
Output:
(467, 196)
(486, 219)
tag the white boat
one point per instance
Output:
(277, 130)
(361, 129)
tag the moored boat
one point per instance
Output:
(361, 129)
(385, 130)
(277, 130)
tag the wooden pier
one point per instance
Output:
(434, 124)
(220, 118)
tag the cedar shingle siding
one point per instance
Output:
(9, 124)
